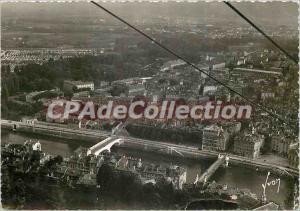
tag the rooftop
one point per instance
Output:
(78, 82)
(269, 206)
(249, 137)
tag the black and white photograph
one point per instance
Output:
(149, 105)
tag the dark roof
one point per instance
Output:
(269, 206)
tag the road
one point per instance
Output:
(175, 149)
(195, 152)
(49, 127)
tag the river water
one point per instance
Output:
(234, 176)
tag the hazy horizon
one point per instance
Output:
(268, 13)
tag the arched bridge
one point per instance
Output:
(213, 168)
(109, 142)
(104, 145)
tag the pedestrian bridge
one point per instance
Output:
(104, 145)
(213, 168)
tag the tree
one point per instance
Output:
(119, 89)
(19, 193)
(151, 199)
(105, 177)
(167, 192)
(6, 188)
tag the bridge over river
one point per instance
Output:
(213, 168)
(106, 145)
(143, 144)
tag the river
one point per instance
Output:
(234, 176)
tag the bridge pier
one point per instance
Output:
(226, 161)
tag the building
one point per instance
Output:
(149, 172)
(248, 144)
(268, 206)
(104, 84)
(169, 65)
(105, 91)
(209, 90)
(280, 145)
(30, 96)
(257, 71)
(215, 138)
(128, 81)
(205, 68)
(265, 95)
(135, 86)
(218, 66)
(82, 94)
(136, 89)
(293, 155)
(78, 85)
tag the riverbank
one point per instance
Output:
(236, 176)
(194, 153)
(55, 131)
(145, 145)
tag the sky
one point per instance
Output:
(272, 13)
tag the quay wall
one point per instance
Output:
(157, 147)
(256, 166)
(70, 134)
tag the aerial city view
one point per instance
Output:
(143, 105)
